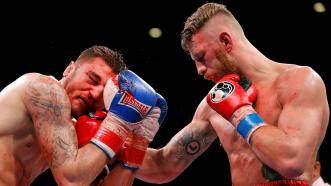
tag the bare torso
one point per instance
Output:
(291, 100)
(245, 166)
(21, 159)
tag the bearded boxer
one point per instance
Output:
(37, 132)
(271, 142)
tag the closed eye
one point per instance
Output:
(200, 57)
(94, 77)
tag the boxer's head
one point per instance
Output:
(84, 79)
(209, 36)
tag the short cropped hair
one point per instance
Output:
(112, 58)
(198, 19)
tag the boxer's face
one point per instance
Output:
(85, 85)
(211, 59)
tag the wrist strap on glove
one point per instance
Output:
(248, 125)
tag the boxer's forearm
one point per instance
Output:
(164, 165)
(280, 151)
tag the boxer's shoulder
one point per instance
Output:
(29, 79)
(29, 82)
(42, 91)
(39, 77)
(296, 73)
(298, 80)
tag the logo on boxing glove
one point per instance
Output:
(128, 100)
(221, 91)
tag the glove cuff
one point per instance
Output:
(133, 152)
(110, 138)
(248, 125)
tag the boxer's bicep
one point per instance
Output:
(49, 108)
(303, 110)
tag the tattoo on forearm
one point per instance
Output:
(64, 148)
(195, 142)
(50, 111)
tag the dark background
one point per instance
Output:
(45, 37)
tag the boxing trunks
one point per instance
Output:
(285, 183)
(275, 179)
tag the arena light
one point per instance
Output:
(319, 7)
(155, 32)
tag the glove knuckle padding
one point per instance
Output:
(132, 99)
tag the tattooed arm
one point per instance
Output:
(50, 110)
(165, 164)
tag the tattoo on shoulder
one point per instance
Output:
(46, 100)
(50, 111)
(195, 141)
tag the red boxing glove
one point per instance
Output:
(128, 99)
(249, 88)
(227, 96)
(87, 125)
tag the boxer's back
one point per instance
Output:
(20, 157)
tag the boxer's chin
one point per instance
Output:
(77, 108)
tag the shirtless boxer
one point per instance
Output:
(291, 111)
(37, 131)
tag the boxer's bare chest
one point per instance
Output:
(18, 140)
(267, 105)
(28, 152)
(241, 158)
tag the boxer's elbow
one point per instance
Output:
(293, 158)
(292, 167)
(66, 180)
(68, 175)
(291, 171)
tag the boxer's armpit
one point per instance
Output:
(49, 108)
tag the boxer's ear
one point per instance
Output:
(69, 69)
(226, 41)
